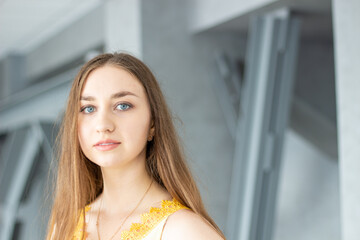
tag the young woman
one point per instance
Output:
(121, 171)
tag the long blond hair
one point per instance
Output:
(79, 181)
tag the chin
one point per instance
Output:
(115, 160)
(108, 163)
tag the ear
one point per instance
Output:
(151, 131)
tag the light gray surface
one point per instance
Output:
(308, 206)
(75, 40)
(12, 74)
(122, 26)
(347, 72)
(209, 13)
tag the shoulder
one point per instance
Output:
(185, 224)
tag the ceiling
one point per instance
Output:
(316, 16)
(25, 24)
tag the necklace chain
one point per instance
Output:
(118, 229)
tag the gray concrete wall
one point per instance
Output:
(315, 80)
(208, 13)
(12, 74)
(347, 71)
(114, 26)
(72, 42)
(308, 201)
(184, 65)
(3, 84)
(123, 26)
(314, 104)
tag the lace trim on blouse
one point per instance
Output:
(148, 222)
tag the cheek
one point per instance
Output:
(82, 134)
(137, 129)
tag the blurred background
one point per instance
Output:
(264, 92)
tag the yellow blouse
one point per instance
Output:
(150, 227)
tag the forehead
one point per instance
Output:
(107, 80)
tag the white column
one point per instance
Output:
(346, 19)
(123, 26)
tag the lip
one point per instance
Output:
(107, 145)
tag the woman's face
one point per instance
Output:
(114, 118)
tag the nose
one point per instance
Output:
(105, 123)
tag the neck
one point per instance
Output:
(124, 188)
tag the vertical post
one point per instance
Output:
(347, 74)
(269, 77)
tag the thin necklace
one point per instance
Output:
(118, 229)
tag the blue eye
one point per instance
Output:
(123, 106)
(88, 109)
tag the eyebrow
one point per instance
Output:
(113, 96)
